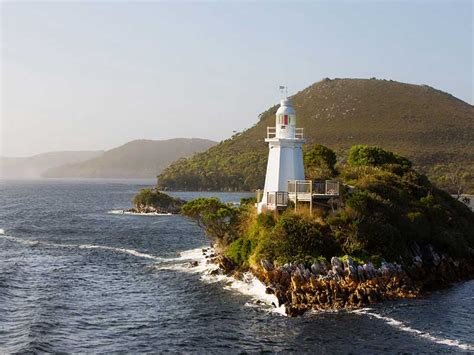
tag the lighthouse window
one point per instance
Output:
(285, 120)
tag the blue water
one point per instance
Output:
(76, 278)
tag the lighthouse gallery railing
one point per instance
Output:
(271, 133)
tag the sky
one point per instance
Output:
(94, 75)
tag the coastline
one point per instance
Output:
(341, 284)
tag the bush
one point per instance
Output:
(248, 201)
(319, 162)
(156, 199)
(376, 156)
(296, 237)
(240, 251)
(219, 220)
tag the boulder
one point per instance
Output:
(267, 265)
(316, 269)
(369, 270)
(337, 266)
(384, 268)
(360, 273)
(225, 264)
(193, 263)
(417, 261)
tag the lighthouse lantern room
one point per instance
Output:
(285, 157)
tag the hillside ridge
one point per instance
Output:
(140, 158)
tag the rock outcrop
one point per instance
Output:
(343, 283)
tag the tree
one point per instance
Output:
(319, 162)
(219, 220)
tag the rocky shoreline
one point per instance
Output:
(343, 284)
(150, 210)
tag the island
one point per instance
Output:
(152, 201)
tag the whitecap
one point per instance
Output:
(425, 335)
(128, 213)
(84, 246)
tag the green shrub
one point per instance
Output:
(296, 237)
(358, 200)
(219, 220)
(158, 200)
(319, 162)
(240, 250)
(248, 201)
(376, 156)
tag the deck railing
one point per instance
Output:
(327, 188)
(277, 199)
(299, 190)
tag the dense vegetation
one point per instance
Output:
(152, 199)
(388, 207)
(432, 128)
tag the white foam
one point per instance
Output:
(85, 246)
(249, 285)
(124, 212)
(425, 335)
(2, 231)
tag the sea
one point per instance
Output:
(76, 275)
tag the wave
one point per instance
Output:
(124, 212)
(425, 335)
(249, 285)
(82, 246)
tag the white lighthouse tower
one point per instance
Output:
(285, 157)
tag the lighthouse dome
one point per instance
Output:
(286, 107)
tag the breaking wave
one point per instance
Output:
(81, 246)
(248, 285)
(421, 334)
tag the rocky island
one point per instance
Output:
(391, 235)
(152, 201)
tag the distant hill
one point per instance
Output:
(34, 166)
(135, 159)
(432, 128)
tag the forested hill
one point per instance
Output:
(432, 128)
(135, 159)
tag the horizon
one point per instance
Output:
(93, 76)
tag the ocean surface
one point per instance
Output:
(75, 277)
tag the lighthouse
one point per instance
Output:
(285, 157)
